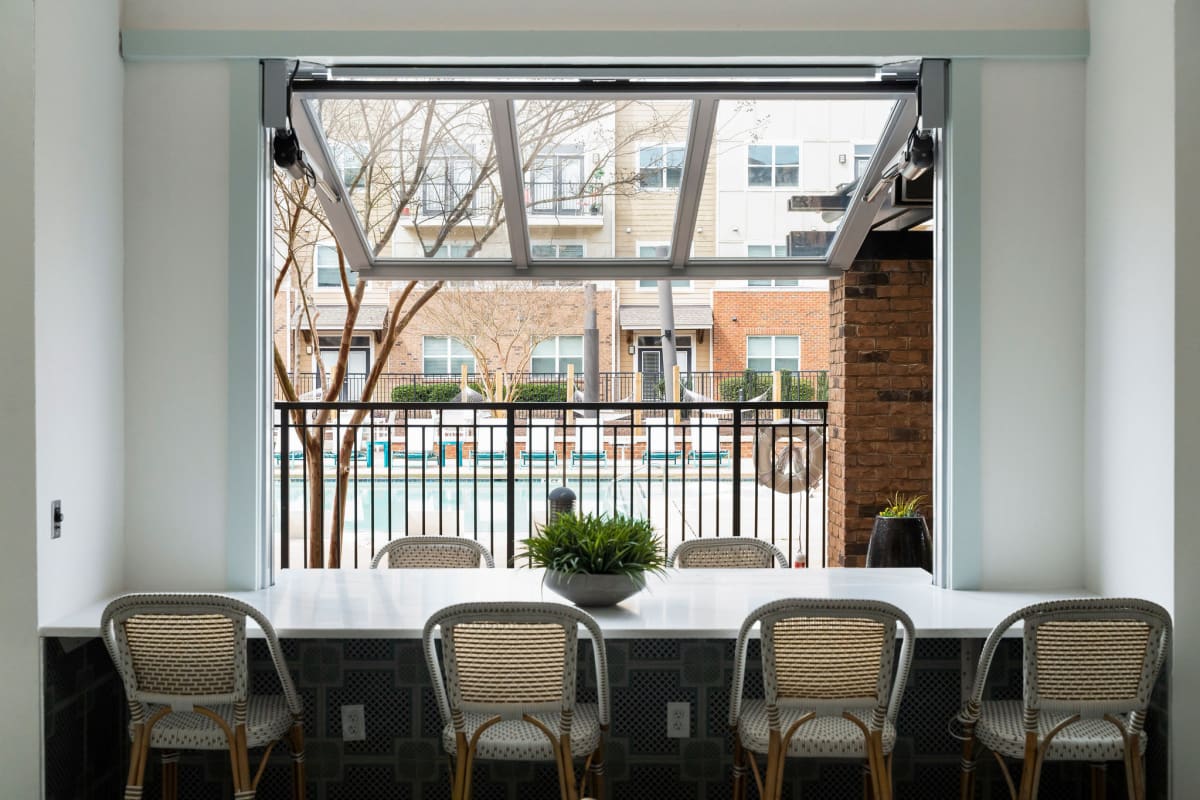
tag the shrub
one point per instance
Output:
(427, 392)
(539, 393)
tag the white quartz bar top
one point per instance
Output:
(683, 604)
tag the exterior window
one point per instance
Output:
(658, 250)
(445, 355)
(447, 181)
(554, 354)
(327, 267)
(552, 250)
(777, 283)
(661, 166)
(862, 157)
(770, 353)
(453, 251)
(555, 184)
(773, 165)
(350, 164)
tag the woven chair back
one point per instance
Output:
(1098, 660)
(727, 553)
(431, 552)
(187, 650)
(828, 656)
(511, 658)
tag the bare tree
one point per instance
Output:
(422, 173)
(501, 322)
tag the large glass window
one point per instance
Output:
(445, 355)
(557, 250)
(554, 354)
(770, 353)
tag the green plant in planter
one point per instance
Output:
(903, 506)
(597, 544)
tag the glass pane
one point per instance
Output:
(789, 364)
(429, 174)
(570, 345)
(433, 366)
(542, 366)
(758, 364)
(787, 283)
(456, 365)
(544, 349)
(758, 346)
(765, 152)
(459, 349)
(615, 163)
(787, 346)
(577, 361)
(759, 251)
(544, 251)
(436, 346)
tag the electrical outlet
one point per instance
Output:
(679, 720)
(354, 724)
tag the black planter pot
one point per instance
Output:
(900, 542)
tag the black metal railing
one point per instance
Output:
(441, 197)
(563, 198)
(723, 386)
(485, 471)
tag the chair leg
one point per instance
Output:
(868, 790)
(773, 766)
(966, 780)
(875, 762)
(170, 775)
(243, 784)
(1029, 766)
(137, 762)
(739, 768)
(596, 769)
(568, 762)
(1135, 780)
(299, 777)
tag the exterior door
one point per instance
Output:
(357, 366)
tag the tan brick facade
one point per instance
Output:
(880, 397)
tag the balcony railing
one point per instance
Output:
(485, 471)
(725, 386)
(563, 199)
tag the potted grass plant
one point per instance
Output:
(596, 560)
(900, 537)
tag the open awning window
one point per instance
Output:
(589, 175)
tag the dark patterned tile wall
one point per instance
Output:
(401, 758)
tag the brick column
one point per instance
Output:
(880, 397)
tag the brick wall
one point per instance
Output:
(880, 397)
(770, 312)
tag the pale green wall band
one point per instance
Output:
(160, 45)
(249, 334)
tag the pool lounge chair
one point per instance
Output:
(660, 441)
(540, 447)
(589, 444)
(706, 445)
(418, 440)
(491, 440)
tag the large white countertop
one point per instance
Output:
(683, 604)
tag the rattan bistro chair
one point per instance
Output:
(727, 552)
(182, 658)
(829, 689)
(509, 690)
(1090, 666)
(429, 552)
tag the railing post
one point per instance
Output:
(737, 471)
(673, 391)
(463, 384)
(499, 387)
(777, 392)
(510, 487)
(637, 398)
(285, 485)
(571, 395)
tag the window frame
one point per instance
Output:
(704, 95)
(774, 338)
(450, 342)
(352, 278)
(558, 354)
(774, 167)
(664, 146)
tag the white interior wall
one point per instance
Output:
(79, 303)
(614, 15)
(176, 323)
(1130, 285)
(1031, 370)
(19, 691)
